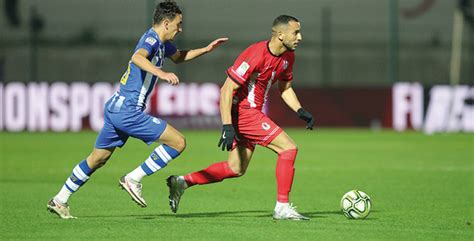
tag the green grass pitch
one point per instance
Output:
(422, 188)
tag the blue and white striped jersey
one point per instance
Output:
(137, 84)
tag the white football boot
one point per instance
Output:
(287, 212)
(177, 185)
(134, 189)
(61, 209)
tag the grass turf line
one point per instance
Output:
(421, 189)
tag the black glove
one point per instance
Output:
(306, 116)
(227, 138)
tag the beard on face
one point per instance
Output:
(288, 47)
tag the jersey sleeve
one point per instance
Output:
(287, 74)
(170, 49)
(243, 67)
(150, 44)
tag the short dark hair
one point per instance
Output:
(166, 10)
(283, 19)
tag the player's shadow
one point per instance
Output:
(244, 213)
(320, 214)
(231, 214)
(324, 214)
(249, 213)
(241, 213)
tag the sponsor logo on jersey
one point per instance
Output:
(265, 126)
(285, 64)
(244, 66)
(150, 40)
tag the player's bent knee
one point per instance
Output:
(237, 169)
(294, 148)
(238, 172)
(241, 173)
(290, 147)
(180, 144)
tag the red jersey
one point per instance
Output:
(255, 70)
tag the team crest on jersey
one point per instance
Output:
(265, 126)
(73, 178)
(150, 40)
(285, 64)
(156, 120)
(244, 66)
(153, 156)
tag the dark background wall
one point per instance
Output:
(345, 42)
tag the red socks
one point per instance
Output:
(217, 172)
(285, 171)
(214, 173)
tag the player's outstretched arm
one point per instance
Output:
(139, 58)
(186, 55)
(289, 96)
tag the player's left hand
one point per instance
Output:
(227, 138)
(306, 116)
(216, 44)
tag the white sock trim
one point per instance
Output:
(280, 205)
(185, 184)
(137, 174)
(63, 195)
(167, 156)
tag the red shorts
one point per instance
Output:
(253, 127)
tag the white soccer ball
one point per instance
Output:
(356, 204)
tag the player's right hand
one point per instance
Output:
(171, 78)
(306, 116)
(227, 137)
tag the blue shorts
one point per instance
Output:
(118, 126)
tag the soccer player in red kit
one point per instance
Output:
(245, 125)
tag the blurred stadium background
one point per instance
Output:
(353, 54)
(346, 43)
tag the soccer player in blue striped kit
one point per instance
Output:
(123, 112)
